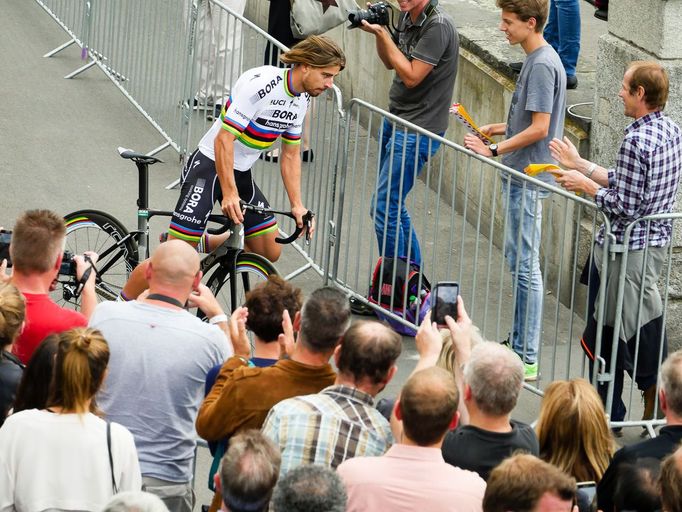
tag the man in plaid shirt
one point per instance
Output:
(340, 422)
(644, 182)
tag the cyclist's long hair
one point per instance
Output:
(82, 359)
(316, 51)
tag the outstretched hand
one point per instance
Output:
(4, 275)
(236, 326)
(286, 341)
(564, 152)
(428, 339)
(460, 331)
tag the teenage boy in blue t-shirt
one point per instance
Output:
(536, 115)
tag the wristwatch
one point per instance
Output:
(493, 149)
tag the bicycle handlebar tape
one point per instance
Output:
(307, 224)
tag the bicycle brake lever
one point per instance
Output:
(307, 224)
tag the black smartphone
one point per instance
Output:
(445, 303)
(589, 489)
(5, 238)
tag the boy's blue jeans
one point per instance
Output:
(523, 207)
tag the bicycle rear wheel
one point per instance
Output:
(93, 230)
(251, 269)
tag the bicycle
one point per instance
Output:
(121, 250)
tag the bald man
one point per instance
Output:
(160, 355)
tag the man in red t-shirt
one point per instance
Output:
(36, 251)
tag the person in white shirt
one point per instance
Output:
(65, 456)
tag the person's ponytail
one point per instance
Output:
(82, 358)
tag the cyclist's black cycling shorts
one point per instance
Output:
(201, 190)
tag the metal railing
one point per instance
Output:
(458, 211)
(638, 322)
(175, 60)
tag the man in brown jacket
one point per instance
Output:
(242, 396)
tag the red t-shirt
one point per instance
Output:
(43, 317)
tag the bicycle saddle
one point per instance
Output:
(137, 157)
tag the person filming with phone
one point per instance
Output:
(36, 257)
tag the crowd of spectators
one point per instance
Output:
(100, 409)
(110, 409)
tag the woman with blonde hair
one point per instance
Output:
(12, 314)
(65, 456)
(573, 431)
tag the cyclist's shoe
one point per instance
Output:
(358, 307)
(530, 371)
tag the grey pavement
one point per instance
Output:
(59, 137)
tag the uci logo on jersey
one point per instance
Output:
(262, 93)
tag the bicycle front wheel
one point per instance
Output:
(93, 230)
(250, 270)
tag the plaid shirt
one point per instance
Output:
(336, 424)
(644, 181)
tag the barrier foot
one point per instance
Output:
(81, 69)
(59, 49)
(298, 272)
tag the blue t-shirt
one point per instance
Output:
(541, 87)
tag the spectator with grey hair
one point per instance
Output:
(493, 378)
(135, 501)
(248, 472)
(668, 439)
(310, 488)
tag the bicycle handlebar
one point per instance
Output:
(227, 222)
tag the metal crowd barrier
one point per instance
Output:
(458, 212)
(71, 15)
(642, 348)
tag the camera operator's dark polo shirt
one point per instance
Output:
(432, 39)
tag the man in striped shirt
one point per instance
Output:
(341, 421)
(644, 182)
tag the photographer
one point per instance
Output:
(423, 52)
(36, 252)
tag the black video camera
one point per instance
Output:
(68, 267)
(376, 14)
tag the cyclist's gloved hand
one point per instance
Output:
(231, 207)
